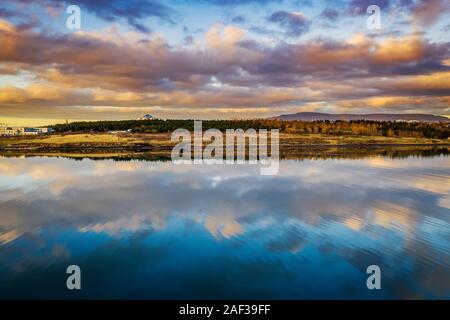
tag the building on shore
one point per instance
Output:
(8, 131)
(146, 117)
(5, 130)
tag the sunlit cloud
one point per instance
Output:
(49, 73)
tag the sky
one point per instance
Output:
(221, 59)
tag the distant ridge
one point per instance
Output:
(315, 116)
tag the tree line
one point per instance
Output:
(354, 127)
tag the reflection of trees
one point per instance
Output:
(299, 153)
(360, 153)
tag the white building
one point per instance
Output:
(22, 131)
(8, 131)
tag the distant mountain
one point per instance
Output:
(314, 116)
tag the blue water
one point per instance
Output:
(155, 230)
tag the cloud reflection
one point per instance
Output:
(358, 210)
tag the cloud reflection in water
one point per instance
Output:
(154, 230)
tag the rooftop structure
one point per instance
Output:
(146, 117)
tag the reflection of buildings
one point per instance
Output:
(22, 131)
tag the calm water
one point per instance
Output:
(154, 230)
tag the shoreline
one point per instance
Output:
(161, 143)
(298, 155)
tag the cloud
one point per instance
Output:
(236, 2)
(294, 23)
(238, 19)
(388, 51)
(4, 13)
(359, 7)
(330, 14)
(229, 73)
(222, 37)
(133, 13)
(427, 12)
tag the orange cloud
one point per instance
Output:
(231, 72)
(398, 50)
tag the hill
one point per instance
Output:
(317, 116)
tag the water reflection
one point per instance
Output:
(154, 230)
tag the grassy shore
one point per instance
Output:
(161, 144)
(101, 138)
